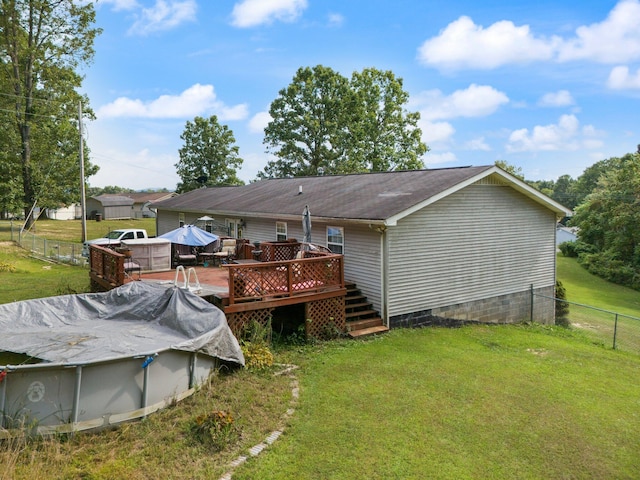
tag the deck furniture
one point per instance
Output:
(227, 251)
(184, 255)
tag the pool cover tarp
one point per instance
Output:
(137, 318)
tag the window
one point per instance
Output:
(335, 239)
(181, 219)
(235, 229)
(281, 231)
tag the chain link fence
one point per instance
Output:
(611, 329)
(56, 250)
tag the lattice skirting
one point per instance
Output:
(240, 320)
(325, 318)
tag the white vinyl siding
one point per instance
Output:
(362, 262)
(483, 241)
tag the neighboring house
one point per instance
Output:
(109, 207)
(70, 212)
(142, 200)
(566, 234)
(468, 243)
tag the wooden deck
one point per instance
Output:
(251, 290)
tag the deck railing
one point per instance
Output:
(262, 281)
(106, 266)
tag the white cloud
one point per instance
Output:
(435, 132)
(621, 79)
(251, 13)
(614, 40)
(474, 101)
(566, 135)
(259, 121)
(196, 100)
(164, 15)
(336, 20)
(438, 158)
(478, 144)
(463, 44)
(561, 98)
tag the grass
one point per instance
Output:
(23, 277)
(475, 402)
(71, 230)
(587, 289)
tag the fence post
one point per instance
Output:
(531, 303)
(615, 331)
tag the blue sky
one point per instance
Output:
(551, 87)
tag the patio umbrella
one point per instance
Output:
(190, 235)
(306, 224)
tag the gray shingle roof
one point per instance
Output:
(367, 196)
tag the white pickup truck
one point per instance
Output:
(114, 237)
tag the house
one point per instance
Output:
(425, 246)
(108, 206)
(566, 234)
(142, 201)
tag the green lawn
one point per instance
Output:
(468, 403)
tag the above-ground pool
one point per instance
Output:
(79, 362)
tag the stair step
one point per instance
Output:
(360, 314)
(368, 331)
(361, 305)
(364, 323)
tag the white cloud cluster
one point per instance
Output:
(561, 98)
(196, 100)
(621, 78)
(566, 135)
(259, 121)
(463, 44)
(474, 101)
(164, 15)
(251, 13)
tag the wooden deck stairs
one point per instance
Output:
(360, 317)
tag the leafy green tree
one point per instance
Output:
(588, 181)
(308, 130)
(42, 43)
(384, 136)
(209, 156)
(609, 222)
(325, 123)
(562, 191)
(512, 169)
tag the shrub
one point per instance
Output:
(255, 345)
(562, 307)
(215, 430)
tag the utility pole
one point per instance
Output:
(83, 206)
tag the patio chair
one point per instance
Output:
(227, 252)
(208, 252)
(184, 255)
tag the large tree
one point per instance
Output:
(609, 222)
(209, 156)
(308, 130)
(325, 123)
(384, 135)
(42, 44)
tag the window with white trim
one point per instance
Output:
(335, 239)
(181, 219)
(281, 231)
